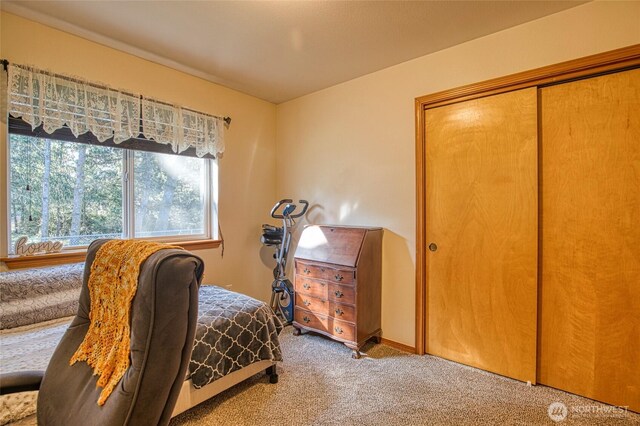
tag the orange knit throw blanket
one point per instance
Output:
(112, 285)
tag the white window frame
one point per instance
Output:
(210, 202)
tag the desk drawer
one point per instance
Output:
(340, 329)
(323, 272)
(342, 294)
(323, 290)
(325, 307)
(310, 271)
(312, 287)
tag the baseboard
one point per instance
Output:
(400, 346)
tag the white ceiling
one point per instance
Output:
(280, 50)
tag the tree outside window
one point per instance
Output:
(76, 193)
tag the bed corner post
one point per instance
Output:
(272, 373)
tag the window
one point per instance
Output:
(88, 162)
(169, 195)
(76, 192)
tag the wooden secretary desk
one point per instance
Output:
(338, 283)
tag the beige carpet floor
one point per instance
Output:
(320, 384)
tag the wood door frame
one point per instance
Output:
(615, 60)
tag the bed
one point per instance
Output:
(236, 335)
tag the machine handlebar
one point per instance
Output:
(304, 209)
(277, 206)
(289, 208)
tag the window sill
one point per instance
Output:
(35, 261)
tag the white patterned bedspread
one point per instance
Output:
(27, 348)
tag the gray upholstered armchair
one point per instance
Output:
(164, 314)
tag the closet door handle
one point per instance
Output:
(433, 247)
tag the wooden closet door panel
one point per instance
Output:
(482, 212)
(590, 221)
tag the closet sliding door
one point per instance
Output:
(482, 232)
(590, 247)
(528, 226)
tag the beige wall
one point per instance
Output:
(247, 171)
(349, 149)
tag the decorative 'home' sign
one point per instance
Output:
(28, 249)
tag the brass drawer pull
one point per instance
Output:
(339, 312)
(306, 270)
(306, 319)
(338, 330)
(338, 293)
(306, 302)
(306, 286)
(338, 277)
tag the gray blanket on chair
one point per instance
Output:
(36, 295)
(233, 331)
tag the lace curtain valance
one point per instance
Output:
(45, 99)
(55, 101)
(182, 128)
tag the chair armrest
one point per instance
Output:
(21, 381)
